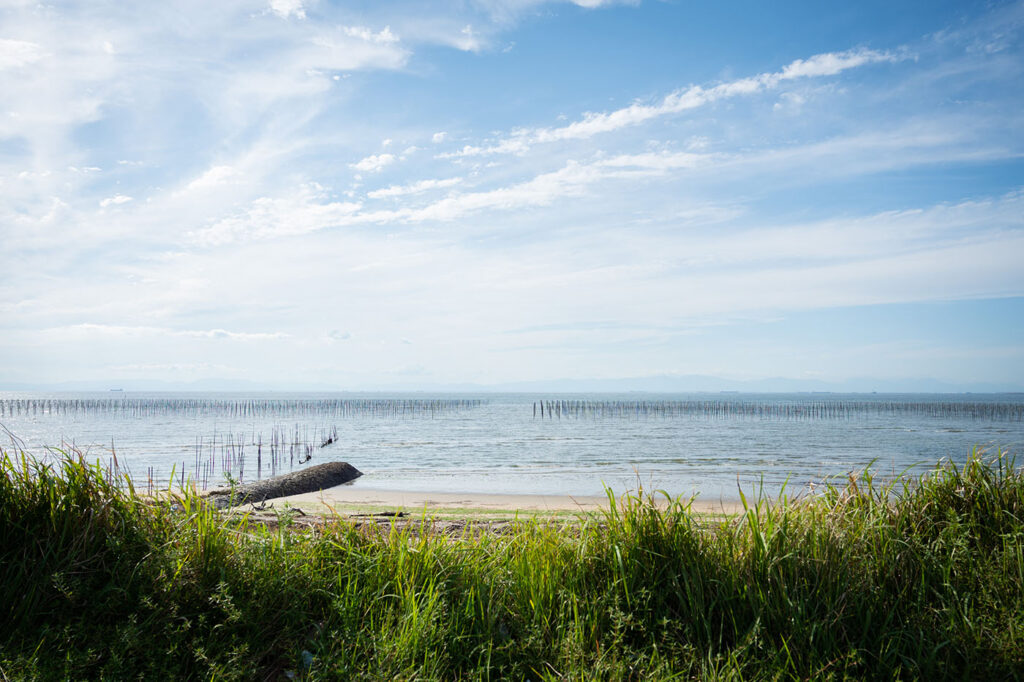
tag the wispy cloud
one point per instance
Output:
(303, 212)
(288, 8)
(18, 53)
(89, 329)
(374, 163)
(349, 48)
(115, 200)
(306, 211)
(413, 188)
(827, 64)
(381, 37)
(213, 177)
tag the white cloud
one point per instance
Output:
(705, 214)
(791, 101)
(374, 163)
(382, 37)
(302, 212)
(115, 200)
(656, 161)
(514, 145)
(540, 191)
(91, 329)
(17, 53)
(695, 96)
(572, 180)
(270, 218)
(225, 334)
(831, 63)
(413, 188)
(439, 137)
(888, 234)
(594, 4)
(213, 177)
(916, 144)
(287, 8)
(351, 48)
(468, 40)
(305, 211)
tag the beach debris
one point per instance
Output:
(333, 437)
(319, 477)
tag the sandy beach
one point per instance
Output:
(346, 499)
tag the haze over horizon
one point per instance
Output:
(497, 192)
(663, 385)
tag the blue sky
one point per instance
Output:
(373, 195)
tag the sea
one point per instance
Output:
(712, 445)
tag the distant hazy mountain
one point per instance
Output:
(142, 385)
(702, 383)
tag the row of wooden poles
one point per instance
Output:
(337, 408)
(285, 448)
(809, 410)
(230, 454)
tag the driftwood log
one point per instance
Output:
(319, 477)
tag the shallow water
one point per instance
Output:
(495, 443)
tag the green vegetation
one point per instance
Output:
(867, 580)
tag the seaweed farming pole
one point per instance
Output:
(809, 410)
(141, 408)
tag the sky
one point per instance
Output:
(404, 194)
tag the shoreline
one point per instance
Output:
(347, 498)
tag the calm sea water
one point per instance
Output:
(499, 444)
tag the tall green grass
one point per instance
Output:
(905, 579)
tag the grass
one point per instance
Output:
(906, 579)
